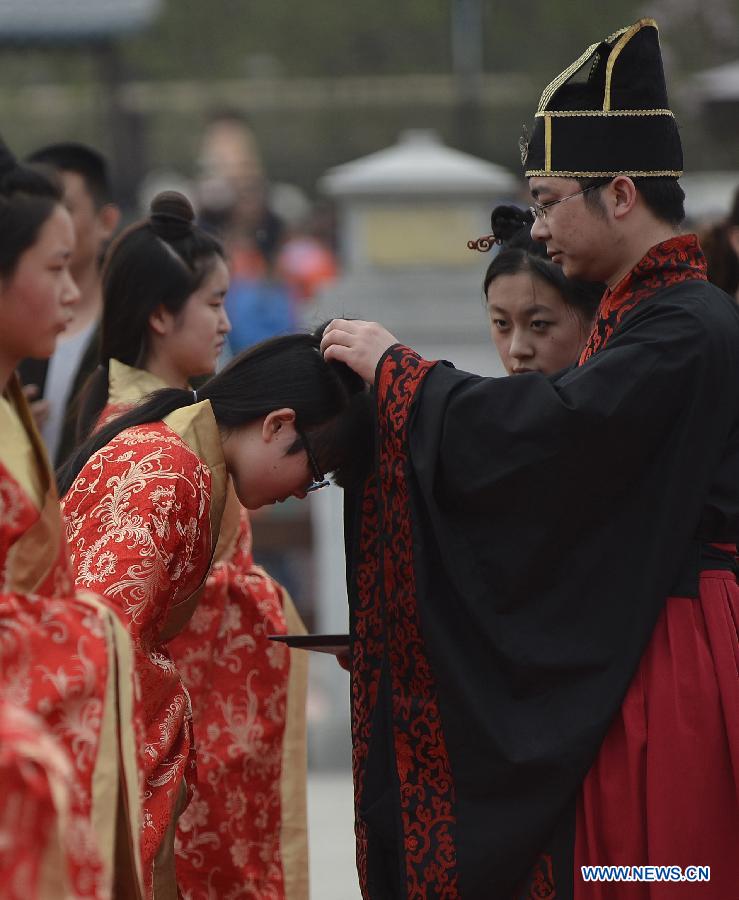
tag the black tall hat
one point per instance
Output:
(607, 114)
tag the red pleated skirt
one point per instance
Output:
(664, 789)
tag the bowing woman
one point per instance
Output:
(144, 502)
(163, 325)
(67, 759)
(539, 318)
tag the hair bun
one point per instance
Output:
(171, 215)
(507, 222)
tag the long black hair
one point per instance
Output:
(521, 253)
(28, 196)
(158, 261)
(330, 401)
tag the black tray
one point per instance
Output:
(337, 644)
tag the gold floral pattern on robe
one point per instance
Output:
(244, 833)
(228, 840)
(137, 519)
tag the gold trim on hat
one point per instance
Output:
(548, 143)
(623, 35)
(615, 52)
(616, 34)
(572, 113)
(665, 173)
(555, 85)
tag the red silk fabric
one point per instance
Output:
(650, 798)
(137, 519)
(54, 666)
(228, 839)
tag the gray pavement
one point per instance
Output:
(333, 874)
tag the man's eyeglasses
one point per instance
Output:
(539, 210)
(319, 479)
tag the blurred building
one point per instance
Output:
(96, 28)
(713, 95)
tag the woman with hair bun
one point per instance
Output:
(153, 499)
(68, 776)
(164, 322)
(539, 319)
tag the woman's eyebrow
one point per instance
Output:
(528, 310)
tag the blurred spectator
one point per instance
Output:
(721, 245)
(259, 303)
(234, 203)
(306, 260)
(54, 384)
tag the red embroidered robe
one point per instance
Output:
(37, 784)
(141, 519)
(244, 832)
(65, 718)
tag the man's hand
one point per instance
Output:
(39, 408)
(358, 344)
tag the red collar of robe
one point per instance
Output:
(673, 261)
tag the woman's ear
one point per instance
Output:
(161, 321)
(278, 424)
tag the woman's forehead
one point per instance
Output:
(523, 290)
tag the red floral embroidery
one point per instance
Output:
(37, 784)
(137, 520)
(424, 770)
(668, 263)
(228, 839)
(53, 669)
(367, 652)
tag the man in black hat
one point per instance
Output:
(540, 570)
(604, 132)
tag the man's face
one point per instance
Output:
(88, 222)
(579, 235)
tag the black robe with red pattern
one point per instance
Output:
(506, 565)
